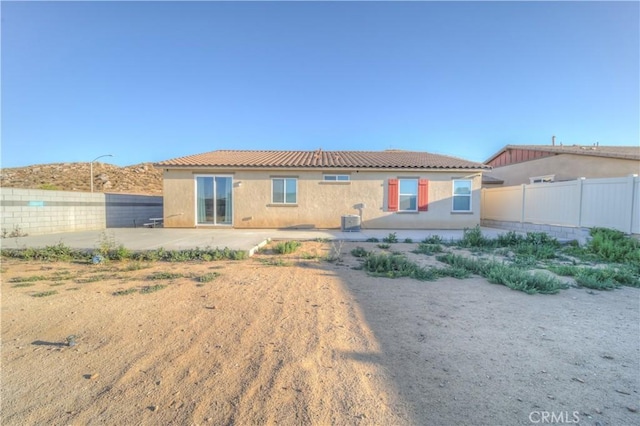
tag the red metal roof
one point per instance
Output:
(323, 159)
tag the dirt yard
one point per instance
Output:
(306, 341)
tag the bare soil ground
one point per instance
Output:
(305, 341)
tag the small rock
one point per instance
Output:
(632, 409)
(599, 411)
(94, 376)
(153, 408)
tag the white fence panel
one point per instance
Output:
(502, 203)
(635, 210)
(611, 203)
(552, 203)
(606, 203)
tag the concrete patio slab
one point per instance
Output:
(235, 239)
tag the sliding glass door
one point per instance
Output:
(214, 200)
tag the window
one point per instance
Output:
(284, 190)
(214, 200)
(542, 179)
(408, 195)
(461, 195)
(408, 201)
(339, 178)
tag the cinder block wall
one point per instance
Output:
(37, 212)
(128, 211)
(559, 232)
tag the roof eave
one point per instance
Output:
(315, 168)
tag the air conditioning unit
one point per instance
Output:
(350, 223)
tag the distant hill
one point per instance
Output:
(137, 179)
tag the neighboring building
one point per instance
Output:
(518, 164)
(314, 189)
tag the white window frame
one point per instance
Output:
(542, 179)
(284, 187)
(400, 194)
(336, 178)
(454, 195)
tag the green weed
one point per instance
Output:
(55, 253)
(136, 266)
(161, 275)
(510, 276)
(286, 247)
(393, 266)
(392, 238)
(309, 256)
(208, 277)
(31, 278)
(384, 246)
(613, 246)
(152, 288)
(454, 272)
(428, 248)
(564, 270)
(599, 278)
(95, 278)
(433, 239)
(206, 255)
(24, 284)
(125, 292)
(275, 262)
(473, 238)
(359, 252)
(524, 261)
(45, 293)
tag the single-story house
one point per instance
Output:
(518, 164)
(315, 189)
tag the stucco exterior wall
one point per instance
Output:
(321, 204)
(566, 167)
(178, 188)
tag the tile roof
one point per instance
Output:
(628, 152)
(391, 159)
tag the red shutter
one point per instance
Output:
(423, 195)
(392, 195)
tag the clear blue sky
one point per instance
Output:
(149, 81)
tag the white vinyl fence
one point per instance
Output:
(583, 203)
